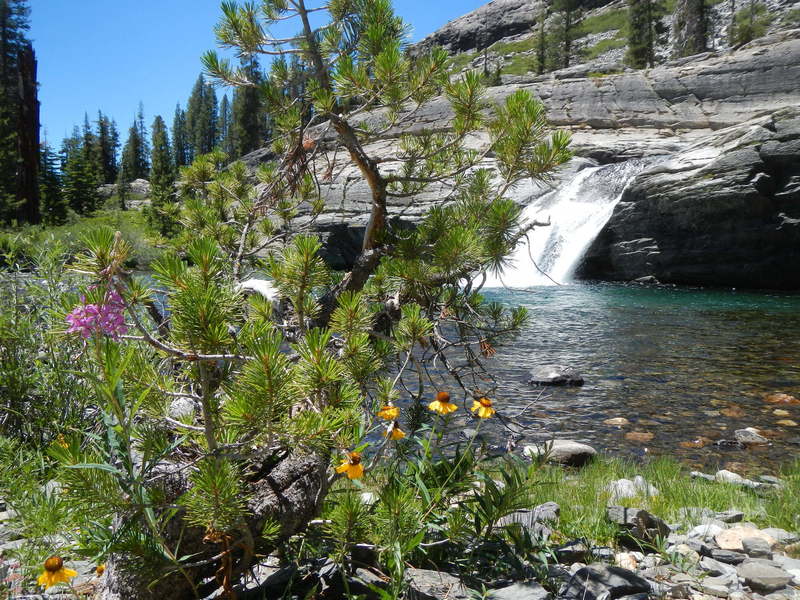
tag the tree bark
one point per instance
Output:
(288, 491)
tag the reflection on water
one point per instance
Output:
(679, 363)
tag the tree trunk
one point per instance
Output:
(288, 492)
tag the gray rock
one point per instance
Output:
(528, 520)
(699, 475)
(730, 557)
(573, 552)
(626, 488)
(549, 511)
(435, 585)
(638, 523)
(565, 452)
(743, 240)
(750, 435)
(715, 567)
(598, 582)
(756, 547)
(730, 516)
(763, 578)
(705, 532)
(781, 535)
(521, 591)
(555, 375)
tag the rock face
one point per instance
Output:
(726, 211)
(719, 208)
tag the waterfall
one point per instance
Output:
(577, 211)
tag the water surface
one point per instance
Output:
(679, 363)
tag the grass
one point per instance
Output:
(513, 47)
(583, 497)
(460, 61)
(131, 224)
(603, 46)
(606, 21)
(519, 65)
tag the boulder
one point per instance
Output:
(599, 582)
(555, 375)
(565, 452)
(700, 218)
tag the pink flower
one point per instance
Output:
(107, 318)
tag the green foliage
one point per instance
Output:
(161, 215)
(646, 31)
(750, 22)
(201, 120)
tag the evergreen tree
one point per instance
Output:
(19, 116)
(107, 144)
(248, 113)
(134, 153)
(224, 127)
(750, 22)
(540, 64)
(180, 139)
(646, 30)
(143, 150)
(53, 203)
(690, 27)
(79, 175)
(565, 29)
(201, 118)
(162, 180)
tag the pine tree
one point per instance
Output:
(646, 31)
(248, 113)
(565, 29)
(540, 64)
(143, 150)
(53, 203)
(750, 22)
(201, 118)
(690, 27)
(180, 139)
(107, 144)
(162, 179)
(79, 175)
(224, 127)
(134, 152)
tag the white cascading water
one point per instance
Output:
(577, 211)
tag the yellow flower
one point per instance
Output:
(352, 466)
(55, 572)
(389, 412)
(442, 404)
(99, 570)
(62, 441)
(394, 432)
(483, 406)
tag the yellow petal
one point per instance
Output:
(343, 467)
(355, 471)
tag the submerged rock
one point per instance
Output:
(555, 375)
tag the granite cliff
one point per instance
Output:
(721, 206)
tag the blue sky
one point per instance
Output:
(109, 55)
